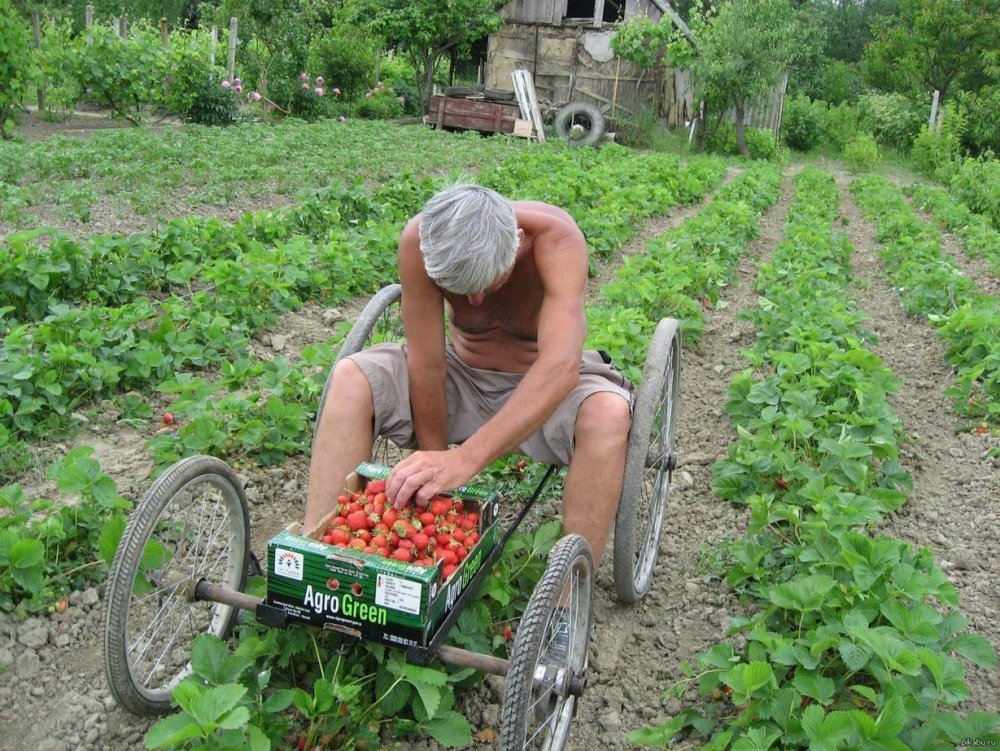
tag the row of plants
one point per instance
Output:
(682, 271)
(178, 171)
(931, 284)
(980, 238)
(850, 637)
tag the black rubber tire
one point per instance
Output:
(580, 124)
(648, 463)
(176, 511)
(525, 692)
(380, 321)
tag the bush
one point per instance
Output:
(381, 103)
(722, 140)
(861, 153)
(977, 184)
(891, 118)
(55, 62)
(124, 75)
(839, 82)
(802, 123)
(938, 155)
(15, 62)
(305, 97)
(345, 57)
(982, 131)
(841, 125)
(761, 144)
(211, 103)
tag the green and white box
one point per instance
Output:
(368, 596)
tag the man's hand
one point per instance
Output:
(424, 474)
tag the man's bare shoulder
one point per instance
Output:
(541, 212)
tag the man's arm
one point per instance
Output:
(423, 321)
(561, 258)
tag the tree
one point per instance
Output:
(933, 44)
(427, 31)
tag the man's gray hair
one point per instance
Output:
(468, 237)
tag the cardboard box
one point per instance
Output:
(368, 596)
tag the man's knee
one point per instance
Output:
(349, 386)
(604, 417)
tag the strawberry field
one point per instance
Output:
(828, 577)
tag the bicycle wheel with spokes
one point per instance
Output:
(191, 524)
(649, 462)
(380, 322)
(550, 652)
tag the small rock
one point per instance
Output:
(719, 368)
(686, 479)
(37, 691)
(956, 453)
(6, 657)
(28, 666)
(691, 587)
(33, 633)
(89, 597)
(332, 316)
(278, 342)
(491, 716)
(610, 721)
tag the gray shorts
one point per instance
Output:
(474, 395)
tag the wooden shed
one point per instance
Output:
(566, 44)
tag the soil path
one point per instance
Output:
(53, 697)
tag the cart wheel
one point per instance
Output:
(191, 524)
(580, 123)
(648, 465)
(537, 704)
(381, 321)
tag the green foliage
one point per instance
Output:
(928, 45)
(345, 56)
(55, 64)
(761, 144)
(891, 118)
(938, 154)
(426, 31)
(124, 75)
(841, 124)
(861, 153)
(46, 548)
(977, 184)
(16, 63)
(207, 102)
(982, 131)
(802, 123)
(380, 103)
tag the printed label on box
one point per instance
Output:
(398, 594)
(288, 563)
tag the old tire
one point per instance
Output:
(649, 462)
(580, 124)
(191, 524)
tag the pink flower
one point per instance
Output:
(255, 96)
(341, 119)
(237, 81)
(303, 76)
(238, 89)
(319, 80)
(306, 86)
(336, 91)
(402, 100)
(378, 85)
(225, 84)
(368, 95)
(319, 91)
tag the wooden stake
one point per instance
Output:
(164, 34)
(934, 107)
(231, 60)
(88, 21)
(215, 41)
(36, 30)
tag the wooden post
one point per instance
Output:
(231, 60)
(614, 92)
(164, 34)
(598, 14)
(934, 108)
(88, 21)
(215, 41)
(124, 27)
(36, 30)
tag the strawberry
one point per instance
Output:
(168, 418)
(357, 520)
(402, 554)
(375, 486)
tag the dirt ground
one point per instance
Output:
(54, 697)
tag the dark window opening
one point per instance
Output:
(613, 11)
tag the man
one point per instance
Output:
(512, 277)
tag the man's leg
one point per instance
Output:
(343, 441)
(593, 483)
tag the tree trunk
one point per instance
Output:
(429, 61)
(741, 141)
